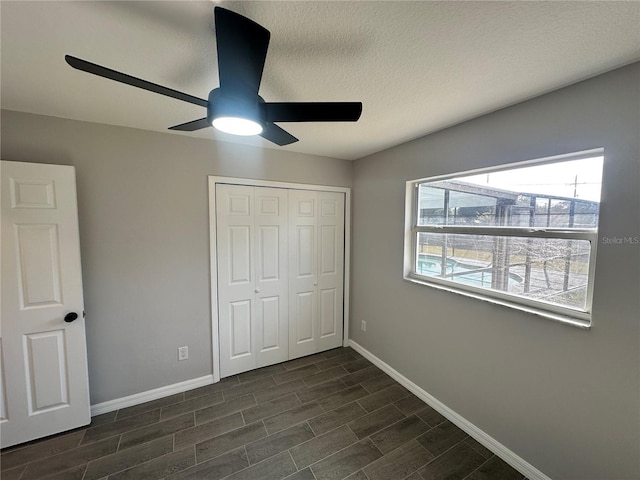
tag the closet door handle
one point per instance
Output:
(315, 284)
(257, 290)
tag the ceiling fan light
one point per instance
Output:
(237, 126)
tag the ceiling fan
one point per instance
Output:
(235, 107)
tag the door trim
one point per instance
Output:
(213, 180)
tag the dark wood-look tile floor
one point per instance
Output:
(329, 416)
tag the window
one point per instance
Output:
(523, 235)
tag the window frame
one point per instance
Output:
(573, 316)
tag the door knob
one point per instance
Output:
(257, 290)
(315, 284)
(70, 317)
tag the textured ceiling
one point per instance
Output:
(416, 66)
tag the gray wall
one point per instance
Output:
(564, 399)
(143, 208)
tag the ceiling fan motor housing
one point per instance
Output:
(246, 106)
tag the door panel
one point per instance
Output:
(271, 287)
(305, 203)
(44, 362)
(268, 202)
(303, 315)
(239, 202)
(252, 273)
(329, 245)
(236, 306)
(39, 265)
(270, 313)
(269, 237)
(31, 193)
(328, 310)
(331, 277)
(45, 359)
(272, 278)
(240, 254)
(305, 246)
(240, 317)
(317, 224)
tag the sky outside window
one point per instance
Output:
(576, 178)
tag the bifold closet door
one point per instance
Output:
(251, 227)
(316, 271)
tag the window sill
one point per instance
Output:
(557, 317)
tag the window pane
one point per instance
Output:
(430, 206)
(557, 195)
(452, 203)
(552, 270)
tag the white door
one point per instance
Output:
(330, 269)
(251, 238)
(272, 276)
(44, 378)
(316, 259)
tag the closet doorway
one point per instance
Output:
(279, 270)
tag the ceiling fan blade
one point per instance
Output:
(313, 111)
(242, 49)
(277, 135)
(192, 126)
(89, 67)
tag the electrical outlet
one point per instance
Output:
(363, 326)
(183, 353)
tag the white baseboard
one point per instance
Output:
(491, 443)
(149, 395)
